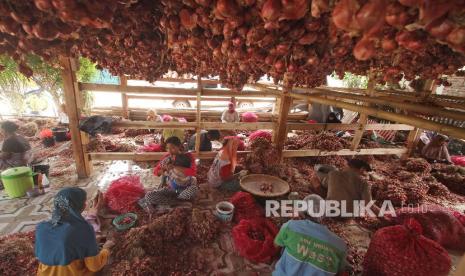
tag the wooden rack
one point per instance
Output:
(278, 121)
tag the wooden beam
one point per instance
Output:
(153, 125)
(124, 96)
(363, 120)
(151, 156)
(71, 95)
(180, 80)
(192, 98)
(237, 126)
(412, 141)
(280, 135)
(453, 131)
(172, 91)
(148, 156)
(198, 115)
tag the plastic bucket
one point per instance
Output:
(17, 181)
(60, 134)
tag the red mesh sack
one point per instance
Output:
(254, 239)
(458, 160)
(260, 134)
(249, 117)
(245, 207)
(402, 250)
(438, 223)
(123, 193)
(152, 147)
(460, 217)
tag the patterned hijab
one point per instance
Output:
(67, 236)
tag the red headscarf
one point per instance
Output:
(229, 151)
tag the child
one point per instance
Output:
(179, 186)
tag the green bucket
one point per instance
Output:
(17, 181)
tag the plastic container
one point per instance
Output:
(117, 222)
(17, 181)
(225, 210)
(41, 168)
(48, 142)
(60, 134)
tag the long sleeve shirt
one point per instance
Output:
(87, 267)
(229, 117)
(436, 153)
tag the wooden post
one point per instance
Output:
(198, 115)
(412, 141)
(72, 95)
(280, 133)
(124, 96)
(363, 120)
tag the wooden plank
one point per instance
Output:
(321, 127)
(198, 115)
(192, 98)
(172, 91)
(388, 127)
(153, 125)
(180, 80)
(237, 126)
(83, 165)
(147, 156)
(344, 152)
(151, 156)
(280, 135)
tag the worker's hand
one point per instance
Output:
(108, 244)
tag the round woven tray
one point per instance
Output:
(251, 183)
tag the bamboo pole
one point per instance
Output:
(198, 115)
(363, 120)
(456, 132)
(71, 94)
(420, 108)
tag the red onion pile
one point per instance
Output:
(242, 40)
(325, 141)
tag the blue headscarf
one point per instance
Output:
(67, 236)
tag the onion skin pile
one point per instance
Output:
(242, 40)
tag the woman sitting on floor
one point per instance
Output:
(179, 185)
(436, 150)
(173, 147)
(66, 244)
(222, 172)
(16, 150)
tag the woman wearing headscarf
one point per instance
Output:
(171, 132)
(174, 147)
(222, 172)
(436, 150)
(153, 116)
(16, 150)
(230, 115)
(332, 119)
(66, 244)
